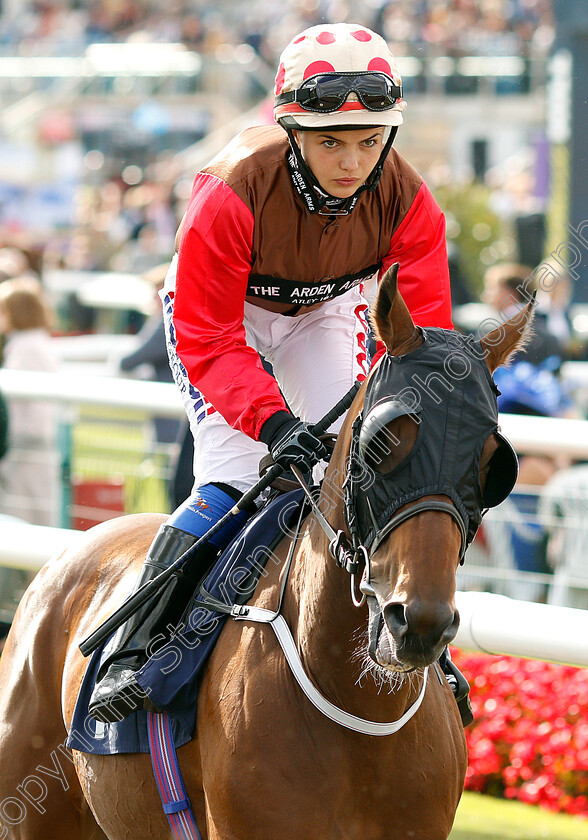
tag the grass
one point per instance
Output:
(487, 818)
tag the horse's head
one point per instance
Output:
(426, 459)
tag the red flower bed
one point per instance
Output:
(529, 740)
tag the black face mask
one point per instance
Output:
(445, 386)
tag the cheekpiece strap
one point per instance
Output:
(350, 485)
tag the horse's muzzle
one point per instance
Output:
(407, 636)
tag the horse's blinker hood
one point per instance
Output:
(447, 389)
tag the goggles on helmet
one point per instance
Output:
(327, 92)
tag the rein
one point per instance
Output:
(350, 559)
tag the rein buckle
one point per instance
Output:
(342, 554)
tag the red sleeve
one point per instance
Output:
(214, 262)
(419, 246)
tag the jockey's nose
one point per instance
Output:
(349, 161)
(435, 622)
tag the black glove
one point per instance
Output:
(290, 441)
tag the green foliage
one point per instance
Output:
(478, 236)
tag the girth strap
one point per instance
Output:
(168, 777)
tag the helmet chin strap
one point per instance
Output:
(317, 200)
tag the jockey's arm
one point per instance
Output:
(214, 263)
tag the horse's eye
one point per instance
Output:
(391, 445)
(379, 456)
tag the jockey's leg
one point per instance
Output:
(117, 693)
(316, 356)
(226, 464)
(320, 354)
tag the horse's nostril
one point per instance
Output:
(435, 622)
(430, 620)
(395, 618)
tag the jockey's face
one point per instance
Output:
(341, 161)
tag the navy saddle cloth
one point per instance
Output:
(172, 674)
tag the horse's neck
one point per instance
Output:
(320, 588)
(331, 633)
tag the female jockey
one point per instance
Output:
(283, 230)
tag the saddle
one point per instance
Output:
(171, 677)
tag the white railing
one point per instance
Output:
(492, 623)
(500, 625)
(161, 398)
(28, 547)
(489, 623)
(527, 434)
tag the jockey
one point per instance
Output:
(284, 231)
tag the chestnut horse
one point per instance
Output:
(264, 764)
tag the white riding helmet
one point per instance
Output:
(338, 75)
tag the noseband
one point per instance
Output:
(443, 461)
(414, 510)
(352, 557)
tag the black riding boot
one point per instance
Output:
(459, 685)
(117, 693)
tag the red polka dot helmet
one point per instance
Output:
(336, 75)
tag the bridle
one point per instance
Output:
(244, 612)
(437, 464)
(350, 554)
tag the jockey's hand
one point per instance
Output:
(290, 441)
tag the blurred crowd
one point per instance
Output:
(449, 27)
(123, 227)
(126, 220)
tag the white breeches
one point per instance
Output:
(316, 357)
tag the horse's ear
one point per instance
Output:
(501, 343)
(390, 316)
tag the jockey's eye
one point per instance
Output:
(392, 444)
